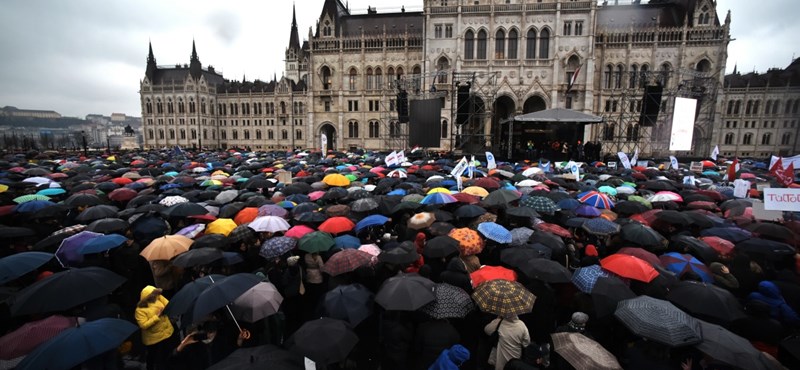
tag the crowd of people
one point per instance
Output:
(192, 260)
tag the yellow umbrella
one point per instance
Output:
(3, 188)
(111, 158)
(336, 179)
(439, 190)
(222, 226)
(476, 191)
(167, 247)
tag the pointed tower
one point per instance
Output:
(150, 72)
(294, 39)
(195, 68)
(293, 50)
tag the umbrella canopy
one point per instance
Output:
(258, 302)
(184, 209)
(585, 278)
(166, 247)
(261, 357)
(607, 293)
(68, 253)
(494, 231)
(421, 220)
(324, 340)
(540, 204)
(30, 335)
(724, 346)
(316, 242)
(405, 292)
(277, 246)
(438, 198)
(600, 227)
(336, 179)
(108, 225)
(73, 346)
(469, 242)
(450, 302)
(183, 301)
(269, 224)
(97, 212)
(583, 353)
(16, 265)
(546, 270)
(222, 226)
(103, 243)
(641, 253)
(371, 221)
(337, 225)
(682, 263)
(706, 301)
(596, 199)
(298, 231)
(630, 267)
(351, 303)
(197, 257)
(503, 298)
(73, 287)
(221, 294)
(489, 273)
(440, 246)
(346, 261)
(659, 321)
(501, 198)
(641, 235)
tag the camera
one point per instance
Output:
(200, 336)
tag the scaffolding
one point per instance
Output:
(473, 136)
(622, 110)
(395, 133)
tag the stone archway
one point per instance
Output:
(330, 133)
(504, 110)
(534, 103)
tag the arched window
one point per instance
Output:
(796, 106)
(353, 79)
(445, 129)
(775, 106)
(634, 76)
(284, 134)
(194, 134)
(399, 72)
(703, 66)
(247, 134)
(481, 45)
(235, 134)
(768, 108)
(786, 139)
(283, 107)
(352, 129)
(632, 133)
(665, 71)
(148, 106)
(643, 72)
(730, 107)
(544, 44)
(370, 79)
(378, 78)
(512, 44)
(766, 139)
(608, 131)
(442, 66)
(159, 106)
(258, 134)
(394, 129)
(171, 134)
(469, 45)
(749, 107)
(530, 44)
(182, 134)
(618, 77)
(756, 106)
(609, 76)
(729, 138)
(223, 135)
(572, 66)
(325, 72)
(390, 73)
(374, 129)
(205, 134)
(747, 139)
(270, 135)
(500, 44)
(150, 134)
(737, 107)
(161, 133)
(298, 134)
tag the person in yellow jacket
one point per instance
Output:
(157, 330)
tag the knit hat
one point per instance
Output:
(579, 319)
(591, 250)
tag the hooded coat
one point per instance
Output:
(451, 359)
(769, 293)
(155, 327)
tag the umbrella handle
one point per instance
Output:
(228, 308)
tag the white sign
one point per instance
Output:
(575, 171)
(490, 163)
(696, 167)
(682, 124)
(625, 161)
(761, 214)
(641, 163)
(391, 159)
(741, 188)
(715, 152)
(401, 156)
(688, 180)
(674, 162)
(324, 139)
(612, 165)
(780, 199)
(635, 158)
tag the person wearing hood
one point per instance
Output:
(769, 293)
(451, 359)
(723, 277)
(157, 330)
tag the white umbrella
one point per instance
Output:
(435, 178)
(397, 173)
(528, 182)
(269, 224)
(532, 171)
(173, 200)
(38, 180)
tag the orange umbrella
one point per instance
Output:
(469, 241)
(629, 267)
(487, 273)
(246, 215)
(337, 225)
(166, 247)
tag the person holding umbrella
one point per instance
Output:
(157, 331)
(513, 337)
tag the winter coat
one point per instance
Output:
(514, 337)
(451, 359)
(769, 293)
(155, 327)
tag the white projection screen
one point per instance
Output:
(683, 124)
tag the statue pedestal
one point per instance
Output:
(129, 143)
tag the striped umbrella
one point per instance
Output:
(596, 199)
(30, 197)
(438, 198)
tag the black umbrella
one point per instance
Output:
(698, 219)
(550, 240)
(695, 247)
(185, 209)
(403, 254)
(469, 211)
(148, 228)
(500, 198)
(79, 200)
(707, 302)
(672, 217)
(324, 341)
(729, 348)
(642, 235)
(197, 257)
(11, 232)
(64, 290)
(764, 247)
(659, 321)
(351, 303)
(546, 270)
(450, 302)
(16, 265)
(262, 357)
(220, 295)
(440, 246)
(231, 209)
(108, 225)
(211, 241)
(183, 301)
(56, 211)
(311, 217)
(772, 231)
(97, 212)
(607, 293)
(406, 292)
(630, 208)
(524, 212)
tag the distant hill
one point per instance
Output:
(41, 122)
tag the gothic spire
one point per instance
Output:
(294, 39)
(195, 68)
(150, 72)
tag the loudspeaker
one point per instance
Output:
(463, 104)
(651, 105)
(402, 106)
(425, 127)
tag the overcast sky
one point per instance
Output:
(79, 57)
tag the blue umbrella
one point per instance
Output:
(68, 252)
(169, 186)
(681, 263)
(19, 264)
(399, 192)
(222, 294)
(438, 198)
(183, 301)
(148, 228)
(600, 226)
(347, 241)
(277, 246)
(74, 346)
(370, 221)
(495, 232)
(569, 203)
(586, 210)
(585, 278)
(51, 191)
(102, 243)
(298, 198)
(33, 206)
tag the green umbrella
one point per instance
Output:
(30, 197)
(608, 190)
(636, 198)
(316, 242)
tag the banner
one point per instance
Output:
(741, 188)
(674, 162)
(625, 161)
(324, 139)
(459, 168)
(786, 161)
(391, 159)
(784, 175)
(544, 166)
(733, 169)
(401, 157)
(575, 171)
(715, 152)
(635, 158)
(777, 199)
(471, 167)
(682, 124)
(490, 163)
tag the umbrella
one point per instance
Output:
(298, 231)
(277, 246)
(336, 179)
(540, 204)
(586, 210)
(197, 257)
(215, 241)
(469, 211)
(642, 254)
(222, 226)
(673, 217)
(665, 196)
(11, 232)
(269, 224)
(503, 298)
(524, 212)
(440, 247)
(16, 265)
(438, 198)
(489, 273)
(102, 243)
(600, 227)
(261, 357)
(706, 301)
(73, 346)
(219, 295)
(546, 270)
(721, 246)
(697, 247)
(122, 194)
(421, 221)
(316, 242)
(351, 303)
(500, 197)
(30, 197)
(370, 221)
(682, 263)
(68, 253)
(272, 210)
(108, 225)
(642, 235)
(607, 293)
(765, 247)
(724, 346)
(30, 335)
(192, 231)
(183, 301)
(184, 209)
(346, 261)
(585, 278)
(403, 254)
(364, 205)
(629, 267)
(166, 247)
(347, 241)
(469, 242)
(520, 235)
(596, 199)
(450, 302)
(33, 206)
(337, 225)
(583, 353)
(494, 231)
(405, 292)
(324, 341)
(659, 321)
(82, 200)
(258, 302)
(97, 212)
(773, 231)
(72, 287)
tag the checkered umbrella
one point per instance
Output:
(659, 321)
(585, 278)
(277, 246)
(345, 261)
(583, 353)
(540, 204)
(469, 242)
(450, 302)
(503, 298)
(241, 233)
(495, 232)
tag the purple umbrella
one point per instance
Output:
(272, 210)
(586, 210)
(191, 231)
(68, 253)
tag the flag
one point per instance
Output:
(784, 176)
(674, 162)
(732, 169)
(625, 161)
(460, 167)
(788, 175)
(635, 158)
(391, 159)
(401, 156)
(471, 167)
(575, 170)
(574, 78)
(545, 166)
(777, 165)
(715, 152)
(490, 163)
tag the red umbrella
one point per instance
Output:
(722, 246)
(487, 273)
(298, 231)
(640, 219)
(487, 183)
(555, 229)
(650, 216)
(466, 198)
(707, 163)
(641, 253)
(122, 181)
(345, 261)
(246, 215)
(122, 194)
(629, 267)
(711, 194)
(709, 206)
(336, 225)
(22, 341)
